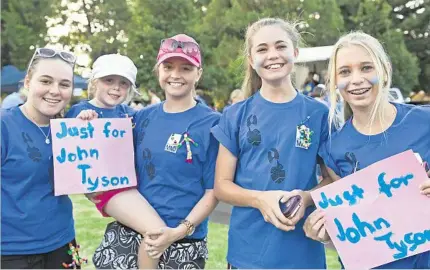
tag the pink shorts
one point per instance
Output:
(105, 197)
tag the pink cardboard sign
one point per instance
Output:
(377, 215)
(92, 156)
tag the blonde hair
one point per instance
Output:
(383, 70)
(92, 88)
(252, 81)
(235, 93)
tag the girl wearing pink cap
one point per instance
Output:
(175, 164)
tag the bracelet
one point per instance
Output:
(325, 242)
(189, 225)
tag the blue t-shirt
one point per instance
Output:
(12, 100)
(349, 150)
(33, 220)
(119, 111)
(170, 184)
(263, 136)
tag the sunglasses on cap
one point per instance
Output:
(50, 53)
(189, 48)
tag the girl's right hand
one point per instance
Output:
(268, 204)
(87, 115)
(314, 227)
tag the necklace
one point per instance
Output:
(47, 140)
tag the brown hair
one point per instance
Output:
(252, 81)
(30, 71)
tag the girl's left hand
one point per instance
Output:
(425, 187)
(306, 201)
(157, 241)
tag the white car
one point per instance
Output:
(396, 95)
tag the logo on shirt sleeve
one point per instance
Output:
(253, 136)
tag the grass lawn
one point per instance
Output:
(90, 226)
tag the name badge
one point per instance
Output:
(172, 143)
(303, 136)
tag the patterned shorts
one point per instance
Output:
(120, 246)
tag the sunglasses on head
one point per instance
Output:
(189, 48)
(50, 53)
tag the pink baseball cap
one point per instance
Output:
(180, 46)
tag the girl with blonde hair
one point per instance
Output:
(374, 128)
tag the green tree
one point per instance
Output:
(97, 27)
(152, 21)
(374, 18)
(413, 20)
(223, 28)
(23, 29)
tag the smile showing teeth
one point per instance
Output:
(113, 96)
(175, 84)
(274, 66)
(52, 101)
(358, 92)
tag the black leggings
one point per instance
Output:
(50, 260)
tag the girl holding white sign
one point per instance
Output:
(37, 227)
(375, 128)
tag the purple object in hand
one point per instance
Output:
(290, 208)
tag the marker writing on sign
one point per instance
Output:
(358, 231)
(88, 131)
(80, 154)
(413, 240)
(105, 180)
(410, 242)
(83, 132)
(349, 196)
(394, 183)
(114, 132)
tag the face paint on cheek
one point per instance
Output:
(342, 86)
(374, 80)
(288, 57)
(258, 62)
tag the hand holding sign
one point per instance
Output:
(378, 212)
(425, 187)
(92, 156)
(87, 115)
(314, 226)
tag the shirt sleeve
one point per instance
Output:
(209, 164)
(72, 112)
(324, 152)
(227, 131)
(4, 141)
